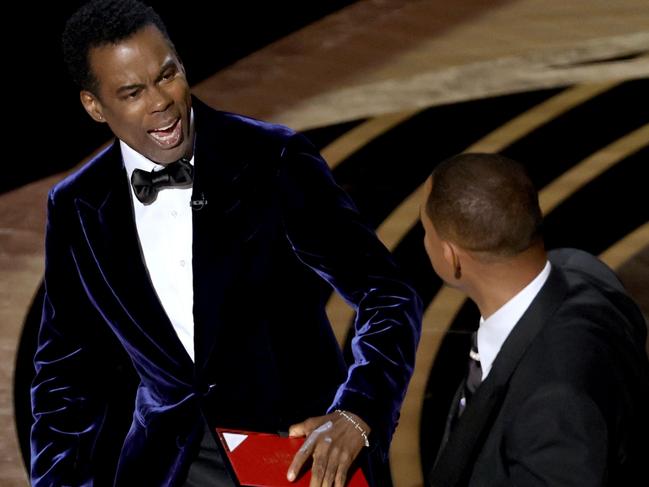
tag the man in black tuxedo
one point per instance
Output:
(557, 390)
(197, 242)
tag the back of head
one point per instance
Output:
(485, 203)
(101, 22)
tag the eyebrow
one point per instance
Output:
(170, 62)
(125, 88)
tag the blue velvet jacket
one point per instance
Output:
(266, 356)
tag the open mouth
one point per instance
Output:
(169, 135)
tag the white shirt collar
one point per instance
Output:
(494, 330)
(134, 160)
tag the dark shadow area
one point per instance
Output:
(574, 135)
(603, 211)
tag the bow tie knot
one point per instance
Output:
(179, 174)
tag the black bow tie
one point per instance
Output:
(147, 184)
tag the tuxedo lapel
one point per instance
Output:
(455, 462)
(216, 172)
(453, 466)
(109, 227)
(451, 419)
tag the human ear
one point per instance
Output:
(92, 105)
(452, 257)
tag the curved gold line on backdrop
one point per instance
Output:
(401, 220)
(405, 453)
(405, 456)
(570, 181)
(539, 115)
(617, 254)
(338, 311)
(358, 137)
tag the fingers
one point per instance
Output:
(296, 430)
(344, 463)
(337, 461)
(321, 471)
(308, 448)
(334, 441)
(306, 427)
(299, 459)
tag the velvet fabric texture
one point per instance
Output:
(567, 397)
(266, 357)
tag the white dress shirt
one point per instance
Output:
(164, 228)
(494, 330)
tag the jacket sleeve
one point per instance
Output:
(329, 236)
(67, 405)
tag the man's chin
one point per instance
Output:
(166, 156)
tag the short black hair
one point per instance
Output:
(101, 22)
(485, 203)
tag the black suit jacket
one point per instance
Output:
(566, 400)
(265, 355)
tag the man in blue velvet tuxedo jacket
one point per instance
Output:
(563, 379)
(217, 305)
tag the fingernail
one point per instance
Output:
(290, 476)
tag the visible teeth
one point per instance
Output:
(165, 128)
(163, 137)
(167, 137)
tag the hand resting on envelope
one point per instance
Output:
(334, 442)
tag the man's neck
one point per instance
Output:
(494, 283)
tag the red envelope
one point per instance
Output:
(262, 459)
